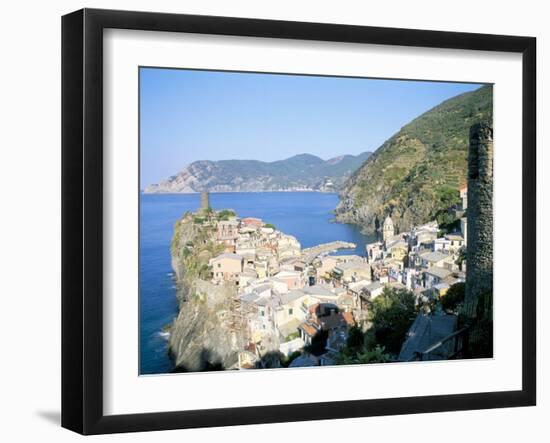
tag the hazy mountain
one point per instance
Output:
(301, 172)
(415, 175)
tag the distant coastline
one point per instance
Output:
(144, 191)
(302, 172)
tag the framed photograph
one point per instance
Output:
(268, 221)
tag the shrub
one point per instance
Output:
(376, 355)
(391, 314)
(356, 338)
(292, 336)
(225, 214)
(286, 361)
(453, 298)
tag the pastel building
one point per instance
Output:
(226, 267)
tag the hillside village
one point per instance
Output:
(301, 304)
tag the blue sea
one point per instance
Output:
(306, 215)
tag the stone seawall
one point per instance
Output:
(311, 253)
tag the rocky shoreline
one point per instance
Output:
(199, 339)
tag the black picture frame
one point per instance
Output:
(82, 218)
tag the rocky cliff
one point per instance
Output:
(202, 337)
(416, 174)
(301, 172)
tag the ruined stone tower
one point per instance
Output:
(479, 255)
(205, 201)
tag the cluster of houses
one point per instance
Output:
(291, 303)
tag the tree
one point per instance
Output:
(357, 352)
(225, 214)
(461, 257)
(448, 196)
(286, 361)
(356, 338)
(364, 356)
(318, 343)
(453, 298)
(391, 314)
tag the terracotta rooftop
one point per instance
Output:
(308, 329)
(348, 318)
(313, 308)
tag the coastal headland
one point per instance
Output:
(218, 258)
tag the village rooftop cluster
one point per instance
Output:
(288, 297)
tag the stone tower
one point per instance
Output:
(205, 201)
(479, 254)
(388, 230)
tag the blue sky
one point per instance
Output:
(201, 115)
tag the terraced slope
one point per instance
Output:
(416, 174)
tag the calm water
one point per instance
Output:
(306, 215)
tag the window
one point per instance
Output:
(290, 311)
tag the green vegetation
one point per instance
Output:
(363, 356)
(270, 225)
(416, 174)
(356, 350)
(453, 299)
(176, 238)
(198, 298)
(192, 245)
(226, 214)
(318, 343)
(446, 199)
(355, 340)
(285, 361)
(461, 257)
(391, 315)
(292, 336)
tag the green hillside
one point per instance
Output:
(303, 171)
(416, 174)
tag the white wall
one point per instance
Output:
(30, 216)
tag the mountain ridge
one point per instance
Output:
(297, 173)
